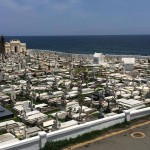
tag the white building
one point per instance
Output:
(15, 46)
(128, 63)
(98, 58)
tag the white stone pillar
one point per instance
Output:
(25, 132)
(19, 66)
(43, 139)
(127, 115)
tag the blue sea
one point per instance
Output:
(107, 44)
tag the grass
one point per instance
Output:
(61, 120)
(36, 102)
(5, 120)
(9, 108)
(95, 114)
(52, 111)
(16, 118)
(79, 69)
(58, 145)
(3, 131)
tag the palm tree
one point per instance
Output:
(70, 111)
(63, 102)
(69, 114)
(81, 102)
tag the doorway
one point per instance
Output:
(16, 49)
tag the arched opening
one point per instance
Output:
(16, 49)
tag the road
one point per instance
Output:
(124, 141)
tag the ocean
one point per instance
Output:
(107, 44)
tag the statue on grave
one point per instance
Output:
(25, 132)
(101, 114)
(21, 91)
(108, 109)
(132, 95)
(63, 103)
(24, 114)
(31, 105)
(56, 116)
(56, 124)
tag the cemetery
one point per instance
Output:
(50, 91)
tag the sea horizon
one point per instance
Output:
(82, 35)
(89, 44)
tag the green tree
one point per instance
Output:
(81, 103)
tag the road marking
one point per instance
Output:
(105, 136)
(138, 135)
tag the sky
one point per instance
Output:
(74, 17)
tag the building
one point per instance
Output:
(15, 46)
(128, 63)
(5, 114)
(98, 58)
(2, 45)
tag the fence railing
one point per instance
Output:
(38, 142)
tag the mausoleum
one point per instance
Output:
(15, 46)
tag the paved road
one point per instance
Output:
(123, 141)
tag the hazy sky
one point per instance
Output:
(74, 17)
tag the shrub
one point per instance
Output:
(3, 131)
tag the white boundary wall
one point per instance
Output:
(35, 143)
